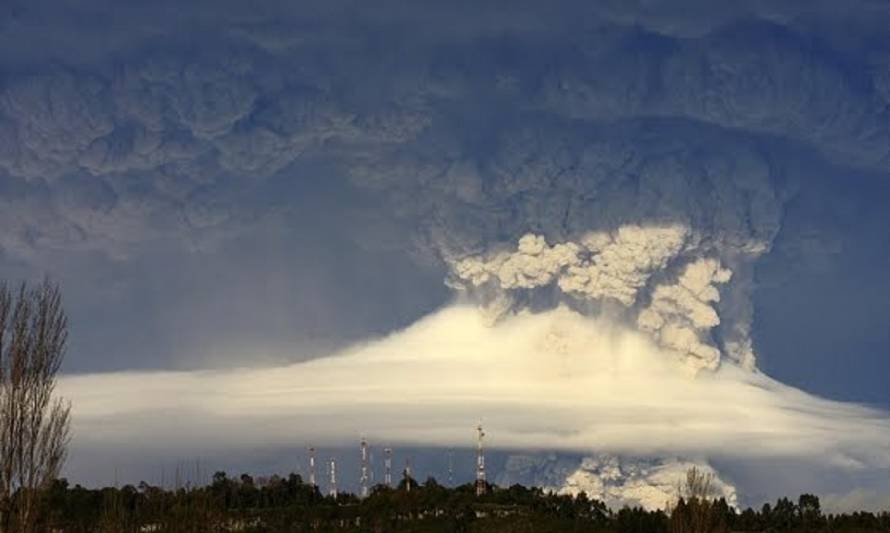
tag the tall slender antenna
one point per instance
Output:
(387, 467)
(312, 466)
(480, 462)
(364, 477)
(407, 474)
(333, 490)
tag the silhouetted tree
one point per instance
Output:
(34, 424)
(809, 511)
(289, 505)
(696, 512)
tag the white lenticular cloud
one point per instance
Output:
(556, 380)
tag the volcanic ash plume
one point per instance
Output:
(621, 267)
(649, 483)
(659, 229)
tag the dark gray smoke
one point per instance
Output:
(633, 162)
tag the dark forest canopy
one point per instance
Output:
(288, 504)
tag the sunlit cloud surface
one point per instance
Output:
(552, 381)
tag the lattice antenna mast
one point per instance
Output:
(387, 467)
(312, 466)
(333, 489)
(364, 472)
(480, 462)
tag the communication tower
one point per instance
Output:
(333, 489)
(364, 476)
(312, 466)
(387, 467)
(480, 462)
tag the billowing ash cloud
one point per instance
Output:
(615, 268)
(651, 484)
(191, 127)
(163, 148)
(623, 160)
(654, 229)
(601, 266)
(679, 312)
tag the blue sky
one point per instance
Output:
(220, 185)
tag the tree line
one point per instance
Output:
(288, 504)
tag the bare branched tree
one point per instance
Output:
(696, 511)
(698, 485)
(34, 423)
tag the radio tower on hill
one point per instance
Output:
(364, 477)
(480, 462)
(387, 467)
(311, 466)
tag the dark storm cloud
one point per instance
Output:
(168, 154)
